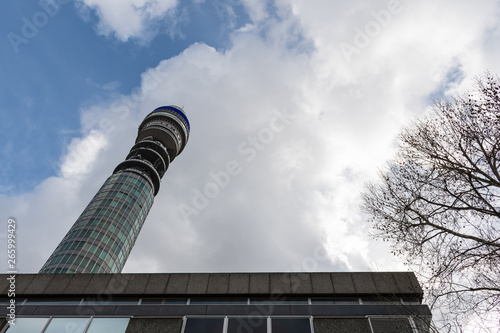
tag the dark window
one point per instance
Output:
(204, 325)
(279, 300)
(335, 300)
(175, 300)
(411, 301)
(172, 300)
(247, 325)
(218, 300)
(322, 300)
(295, 325)
(380, 300)
(53, 301)
(147, 301)
(346, 300)
(108, 300)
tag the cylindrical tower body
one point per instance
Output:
(101, 239)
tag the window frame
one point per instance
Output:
(50, 318)
(226, 321)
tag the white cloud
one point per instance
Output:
(81, 154)
(130, 18)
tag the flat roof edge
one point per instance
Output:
(216, 284)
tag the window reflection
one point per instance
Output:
(28, 325)
(70, 325)
(108, 325)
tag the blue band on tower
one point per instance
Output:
(176, 110)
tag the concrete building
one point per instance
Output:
(101, 239)
(388, 302)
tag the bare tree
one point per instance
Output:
(438, 203)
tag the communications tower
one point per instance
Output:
(102, 237)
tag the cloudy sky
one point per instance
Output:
(299, 100)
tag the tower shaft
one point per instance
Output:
(102, 238)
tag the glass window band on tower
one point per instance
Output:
(102, 238)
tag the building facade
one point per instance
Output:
(366, 302)
(101, 239)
